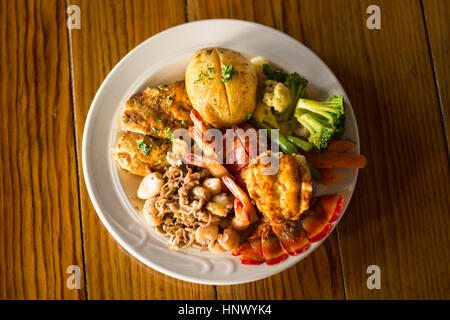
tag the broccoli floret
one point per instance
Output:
(328, 114)
(275, 74)
(319, 133)
(297, 86)
(293, 82)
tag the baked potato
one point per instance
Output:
(221, 84)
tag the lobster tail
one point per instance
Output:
(271, 247)
(292, 237)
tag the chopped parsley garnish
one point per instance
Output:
(168, 97)
(201, 75)
(170, 103)
(140, 144)
(161, 86)
(211, 70)
(210, 78)
(183, 123)
(156, 130)
(168, 131)
(228, 72)
(159, 119)
(249, 116)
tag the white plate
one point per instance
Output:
(162, 59)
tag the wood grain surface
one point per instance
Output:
(437, 13)
(109, 30)
(397, 79)
(39, 222)
(399, 215)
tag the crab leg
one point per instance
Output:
(245, 213)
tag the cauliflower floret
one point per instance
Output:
(258, 62)
(263, 113)
(277, 95)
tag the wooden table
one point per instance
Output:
(397, 79)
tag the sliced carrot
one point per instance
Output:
(332, 159)
(340, 145)
(329, 176)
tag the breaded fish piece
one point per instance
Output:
(158, 111)
(140, 154)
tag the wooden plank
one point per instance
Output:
(438, 26)
(319, 275)
(39, 221)
(109, 29)
(399, 215)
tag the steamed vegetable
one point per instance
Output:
(285, 145)
(275, 74)
(340, 145)
(315, 173)
(332, 159)
(277, 95)
(297, 86)
(293, 82)
(263, 113)
(323, 120)
(329, 176)
(299, 143)
(320, 133)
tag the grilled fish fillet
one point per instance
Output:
(158, 111)
(140, 154)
